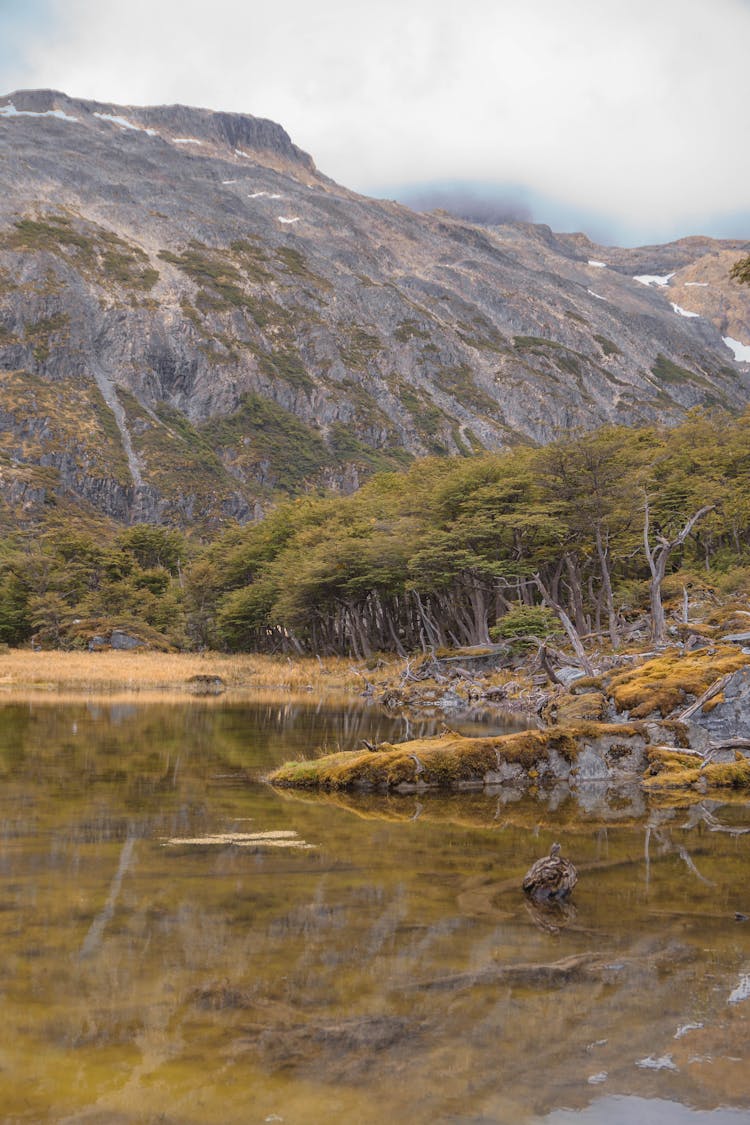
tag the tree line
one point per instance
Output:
(586, 535)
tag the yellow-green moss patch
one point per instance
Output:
(668, 681)
(672, 770)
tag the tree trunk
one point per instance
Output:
(657, 559)
(567, 625)
(602, 550)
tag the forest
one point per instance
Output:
(600, 535)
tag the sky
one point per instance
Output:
(627, 119)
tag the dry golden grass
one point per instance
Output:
(155, 672)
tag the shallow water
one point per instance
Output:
(183, 944)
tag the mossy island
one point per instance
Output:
(660, 724)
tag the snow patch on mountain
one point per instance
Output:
(681, 311)
(654, 279)
(10, 110)
(741, 351)
(123, 123)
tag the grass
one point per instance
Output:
(110, 671)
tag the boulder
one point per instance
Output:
(730, 717)
(121, 640)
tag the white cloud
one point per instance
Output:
(635, 110)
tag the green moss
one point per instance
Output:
(179, 424)
(295, 263)
(482, 335)
(221, 285)
(442, 762)
(459, 442)
(39, 333)
(180, 462)
(252, 260)
(668, 372)
(52, 234)
(569, 363)
(669, 769)
(427, 416)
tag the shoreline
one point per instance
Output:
(653, 723)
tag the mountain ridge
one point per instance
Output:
(230, 323)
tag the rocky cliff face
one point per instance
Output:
(193, 318)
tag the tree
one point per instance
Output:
(657, 558)
(741, 270)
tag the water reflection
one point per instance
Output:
(165, 959)
(637, 1111)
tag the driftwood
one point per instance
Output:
(579, 967)
(709, 693)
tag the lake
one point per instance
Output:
(183, 944)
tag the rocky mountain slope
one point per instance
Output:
(192, 318)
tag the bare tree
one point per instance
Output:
(657, 558)
(567, 625)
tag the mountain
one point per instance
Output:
(193, 319)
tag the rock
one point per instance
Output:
(568, 675)
(736, 638)
(506, 771)
(124, 641)
(730, 718)
(203, 684)
(451, 703)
